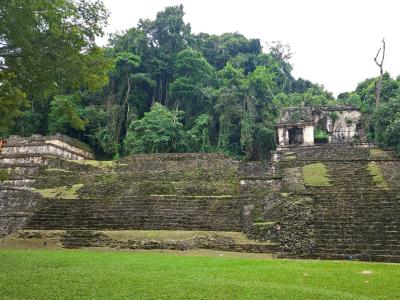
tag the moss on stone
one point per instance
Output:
(97, 163)
(58, 170)
(4, 174)
(378, 153)
(377, 175)
(164, 235)
(289, 157)
(107, 178)
(264, 223)
(316, 175)
(61, 192)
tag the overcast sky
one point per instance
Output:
(334, 41)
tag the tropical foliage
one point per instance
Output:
(156, 87)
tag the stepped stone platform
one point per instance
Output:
(354, 214)
(139, 239)
(326, 201)
(186, 192)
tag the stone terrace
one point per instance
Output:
(349, 207)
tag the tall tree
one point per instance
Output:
(192, 77)
(168, 34)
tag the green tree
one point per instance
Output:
(47, 47)
(125, 66)
(193, 75)
(64, 116)
(168, 35)
(218, 50)
(260, 114)
(247, 112)
(12, 100)
(229, 108)
(158, 131)
(198, 137)
(386, 123)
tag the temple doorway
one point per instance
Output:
(296, 136)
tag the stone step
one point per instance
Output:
(148, 239)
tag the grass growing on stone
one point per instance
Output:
(316, 175)
(4, 174)
(96, 163)
(61, 192)
(378, 153)
(57, 170)
(377, 175)
(77, 274)
(163, 235)
(289, 157)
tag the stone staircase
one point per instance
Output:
(185, 192)
(139, 239)
(354, 218)
(140, 212)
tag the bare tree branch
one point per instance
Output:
(378, 84)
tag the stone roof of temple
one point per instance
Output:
(15, 140)
(304, 115)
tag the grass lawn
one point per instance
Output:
(82, 274)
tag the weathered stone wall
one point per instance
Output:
(341, 123)
(151, 212)
(16, 207)
(37, 145)
(354, 216)
(169, 191)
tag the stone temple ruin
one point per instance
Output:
(336, 198)
(34, 148)
(334, 124)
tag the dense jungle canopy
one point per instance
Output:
(157, 87)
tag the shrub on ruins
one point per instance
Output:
(386, 123)
(160, 130)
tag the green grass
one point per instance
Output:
(377, 175)
(61, 192)
(316, 175)
(78, 274)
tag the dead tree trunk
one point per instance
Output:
(378, 84)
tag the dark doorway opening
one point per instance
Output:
(296, 136)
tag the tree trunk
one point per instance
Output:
(378, 85)
(122, 117)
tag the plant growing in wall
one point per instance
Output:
(320, 136)
(348, 121)
(333, 116)
(4, 175)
